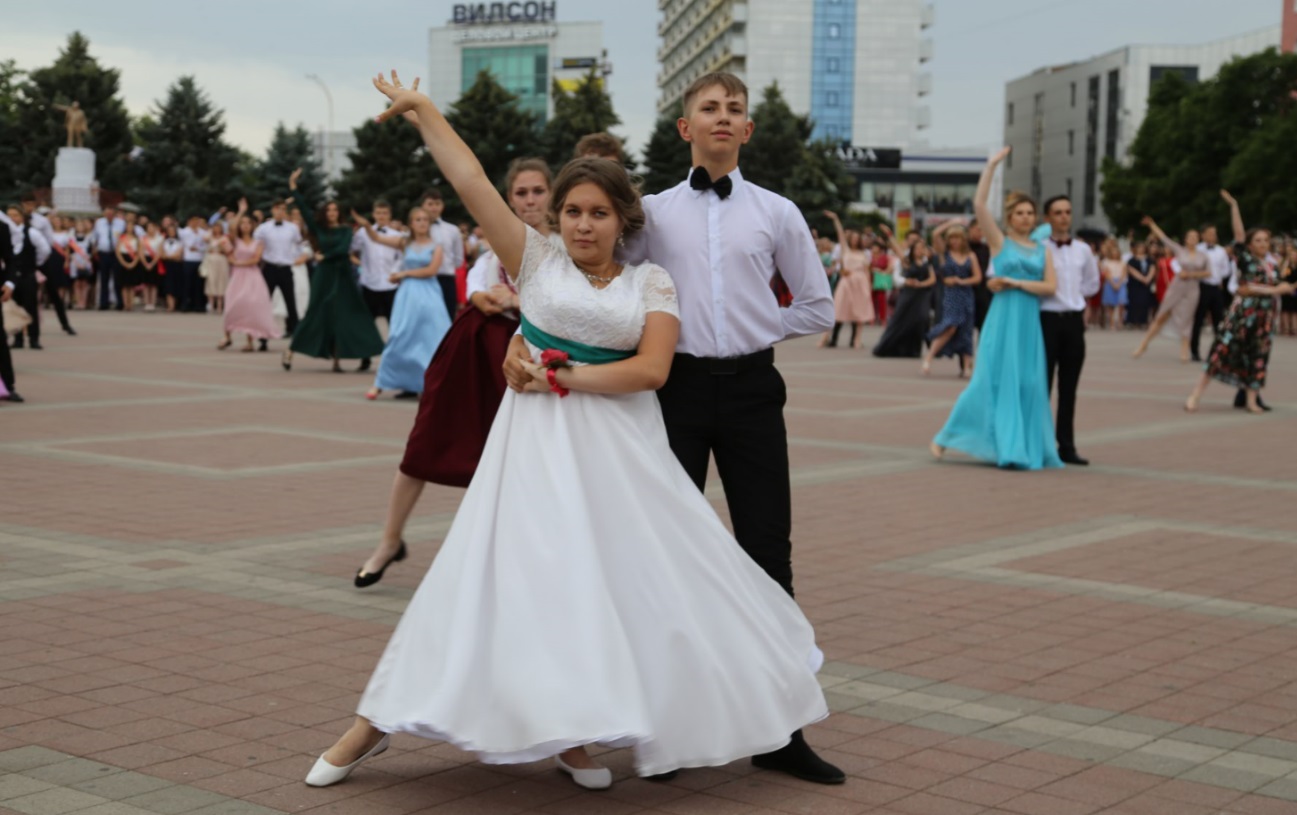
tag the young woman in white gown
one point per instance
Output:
(586, 591)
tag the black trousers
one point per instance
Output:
(981, 302)
(108, 279)
(1211, 300)
(26, 294)
(6, 366)
(281, 277)
(1065, 354)
(738, 417)
(55, 280)
(379, 303)
(449, 292)
(193, 285)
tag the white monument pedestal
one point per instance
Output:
(76, 191)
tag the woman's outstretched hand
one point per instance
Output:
(404, 100)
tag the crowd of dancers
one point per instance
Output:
(579, 375)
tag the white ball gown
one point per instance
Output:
(586, 591)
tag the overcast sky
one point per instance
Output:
(253, 57)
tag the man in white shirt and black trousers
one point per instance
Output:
(1062, 318)
(7, 286)
(722, 239)
(1212, 298)
(30, 252)
(377, 262)
(282, 241)
(448, 237)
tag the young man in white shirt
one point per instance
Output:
(1062, 319)
(30, 252)
(448, 237)
(377, 263)
(722, 240)
(7, 286)
(54, 266)
(283, 242)
(107, 229)
(1212, 298)
(189, 291)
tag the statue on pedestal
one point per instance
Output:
(74, 119)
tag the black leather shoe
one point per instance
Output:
(36, 346)
(16, 344)
(14, 397)
(1074, 459)
(364, 364)
(70, 331)
(798, 760)
(365, 579)
(263, 346)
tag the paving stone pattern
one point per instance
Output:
(179, 634)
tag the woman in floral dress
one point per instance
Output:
(1242, 350)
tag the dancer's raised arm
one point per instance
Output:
(1235, 217)
(504, 231)
(986, 218)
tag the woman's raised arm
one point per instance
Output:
(504, 231)
(986, 218)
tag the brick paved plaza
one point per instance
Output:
(179, 633)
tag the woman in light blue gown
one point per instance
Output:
(1003, 416)
(419, 317)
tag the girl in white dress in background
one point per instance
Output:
(586, 592)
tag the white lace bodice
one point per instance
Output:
(558, 299)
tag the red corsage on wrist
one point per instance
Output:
(553, 359)
(551, 374)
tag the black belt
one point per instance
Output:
(724, 366)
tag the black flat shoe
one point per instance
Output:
(1074, 459)
(364, 365)
(365, 579)
(36, 346)
(263, 347)
(13, 397)
(798, 760)
(286, 359)
(71, 332)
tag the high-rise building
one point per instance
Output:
(521, 44)
(854, 65)
(1062, 121)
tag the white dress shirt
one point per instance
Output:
(105, 234)
(448, 237)
(1077, 273)
(42, 224)
(195, 243)
(281, 239)
(376, 260)
(1218, 262)
(722, 255)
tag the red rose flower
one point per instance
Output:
(552, 358)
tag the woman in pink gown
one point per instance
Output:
(247, 300)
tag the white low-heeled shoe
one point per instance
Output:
(324, 774)
(596, 779)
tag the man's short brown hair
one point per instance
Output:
(731, 84)
(601, 145)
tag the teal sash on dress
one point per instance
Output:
(577, 351)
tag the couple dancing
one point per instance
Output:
(587, 593)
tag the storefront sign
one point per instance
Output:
(505, 33)
(873, 158)
(534, 11)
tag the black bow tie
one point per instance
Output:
(1063, 242)
(700, 180)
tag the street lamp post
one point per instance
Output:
(328, 134)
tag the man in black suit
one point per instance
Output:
(6, 294)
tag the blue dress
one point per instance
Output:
(419, 321)
(957, 309)
(1004, 415)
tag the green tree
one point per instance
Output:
(289, 149)
(819, 181)
(666, 156)
(586, 109)
(778, 143)
(74, 76)
(11, 101)
(184, 165)
(1227, 131)
(389, 162)
(489, 118)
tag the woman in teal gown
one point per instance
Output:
(337, 325)
(1004, 416)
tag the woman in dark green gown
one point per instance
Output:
(337, 324)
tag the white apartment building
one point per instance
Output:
(1062, 121)
(856, 66)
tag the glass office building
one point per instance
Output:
(833, 68)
